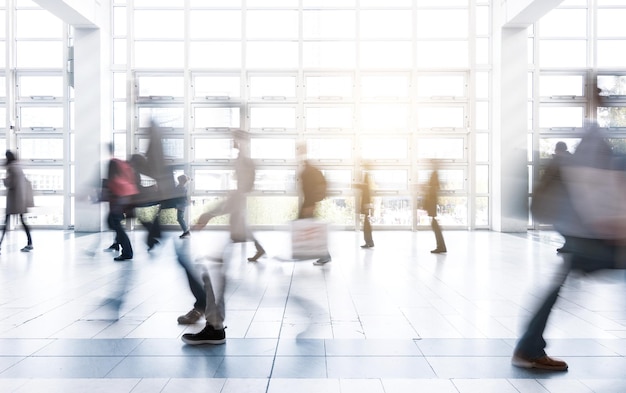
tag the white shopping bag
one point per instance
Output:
(309, 239)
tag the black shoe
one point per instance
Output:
(112, 247)
(367, 246)
(27, 248)
(152, 244)
(259, 254)
(323, 260)
(185, 235)
(208, 335)
(122, 258)
(439, 251)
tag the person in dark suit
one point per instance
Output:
(431, 205)
(19, 196)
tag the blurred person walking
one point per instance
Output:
(431, 206)
(313, 187)
(182, 201)
(366, 207)
(19, 196)
(122, 187)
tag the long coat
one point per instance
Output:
(19, 191)
(432, 194)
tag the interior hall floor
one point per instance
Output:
(392, 319)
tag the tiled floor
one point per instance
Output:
(394, 319)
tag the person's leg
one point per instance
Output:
(115, 222)
(531, 345)
(367, 231)
(29, 244)
(183, 253)
(180, 217)
(6, 224)
(441, 244)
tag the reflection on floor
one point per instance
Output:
(391, 319)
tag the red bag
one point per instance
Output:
(124, 183)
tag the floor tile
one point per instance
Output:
(167, 366)
(300, 367)
(62, 367)
(378, 367)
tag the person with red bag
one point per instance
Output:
(122, 186)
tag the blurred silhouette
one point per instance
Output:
(431, 206)
(182, 202)
(549, 195)
(19, 196)
(366, 207)
(314, 186)
(592, 216)
(122, 187)
(214, 285)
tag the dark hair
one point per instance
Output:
(10, 156)
(560, 147)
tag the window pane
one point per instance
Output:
(39, 54)
(159, 24)
(173, 148)
(119, 51)
(390, 179)
(482, 147)
(433, 86)
(482, 211)
(614, 116)
(482, 85)
(215, 24)
(561, 85)
(3, 24)
(337, 210)
(443, 148)
(386, 24)
(482, 51)
(338, 179)
(442, 54)
(41, 117)
(384, 86)
(273, 149)
(384, 149)
(386, 54)
(275, 180)
(119, 116)
(274, 210)
(162, 54)
(40, 86)
(387, 117)
(562, 22)
(119, 21)
(213, 149)
(37, 24)
(214, 179)
(217, 117)
(41, 149)
(48, 210)
(451, 211)
(230, 54)
(330, 118)
(482, 179)
(392, 211)
(163, 117)
(161, 86)
(329, 54)
(119, 85)
(272, 87)
(283, 54)
(554, 117)
(328, 87)
(618, 145)
(217, 86)
(482, 115)
(547, 146)
(611, 53)
(273, 118)
(328, 24)
(271, 24)
(442, 24)
(45, 179)
(483, 21)
(563, 53)
(440, 117)
(611, 22)
(329, 149)
(612, 85)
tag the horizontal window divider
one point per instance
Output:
(47, 192)
(384, 193)
(274, 98)
(385, 160)
(273, 192)
(440, 98)
(563, 97)
(43, 160)
(43, 98)
(220, 160)
(217, 129)
(326, 129)
(562, 128)
(217, 98)
(274, 129)
(273, 160)
(42, 128)
(330, 98)
(330, 160)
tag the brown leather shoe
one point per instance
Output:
(543, 363)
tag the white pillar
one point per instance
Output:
(510, 141)
(91, 134)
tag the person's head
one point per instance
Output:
(561, 147)
(241, 142)
(10, 156)
(183, 179)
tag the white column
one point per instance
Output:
(92, 126)
(510, 213)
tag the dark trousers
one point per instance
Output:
(441, 244)
(367, 229)
(114, 220)
(26, 228)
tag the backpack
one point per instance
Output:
(124, 183)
